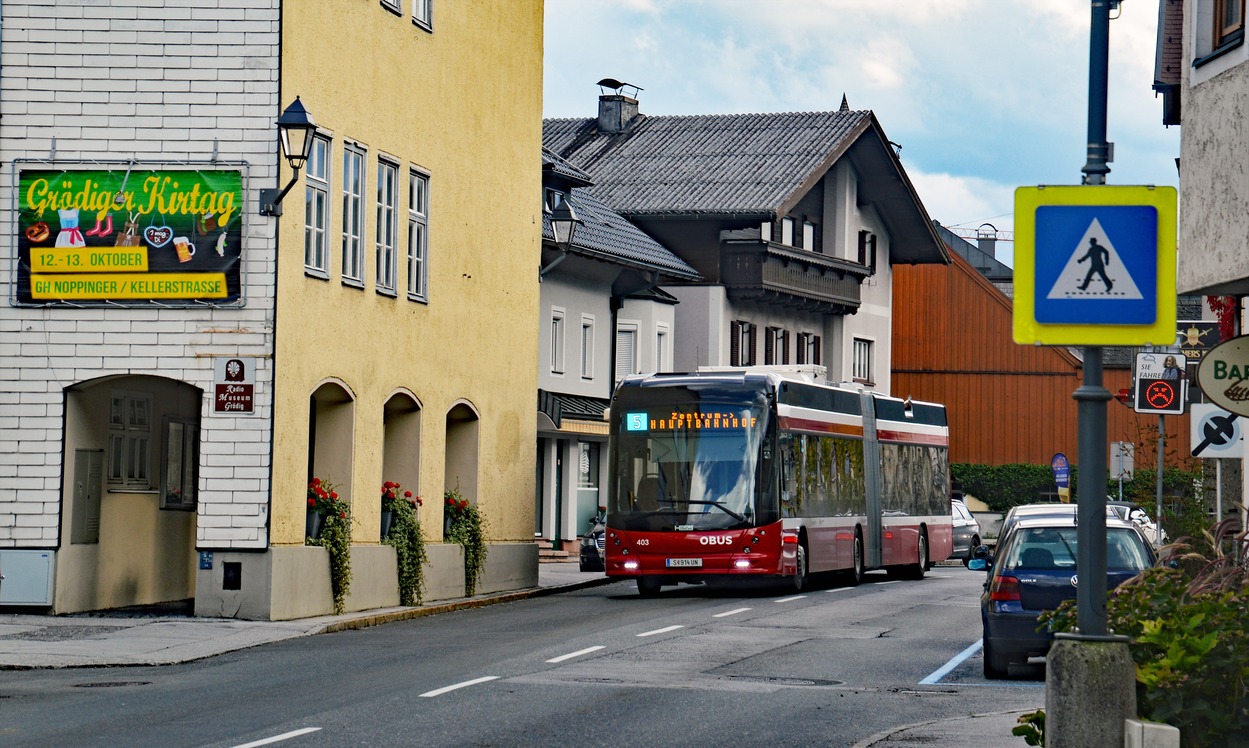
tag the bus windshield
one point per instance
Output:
(687, 466)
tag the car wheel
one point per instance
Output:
(648, 586)
(996, 663)
(975, 542)
(800, 577)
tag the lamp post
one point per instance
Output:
(296, 129)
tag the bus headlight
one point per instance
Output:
(741, 563)
(631, 565)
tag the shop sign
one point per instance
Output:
(132, 237)
(1224, 375)
(234, 386)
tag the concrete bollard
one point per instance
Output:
(1090, 690)
(1137, 734)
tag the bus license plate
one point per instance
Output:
(684, 562)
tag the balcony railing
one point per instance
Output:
(791, 277)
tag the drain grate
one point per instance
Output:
(775, 681)
(114, 684)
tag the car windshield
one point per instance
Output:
(1054, 548)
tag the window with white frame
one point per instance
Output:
(808, 237)
(392, 5)
(353, 214)
(861, 360)
(776, 346)
(129, 440)
(387, 227)
(587, 346)
(661, 348)
(557, 340)
(317, 206)
(787, 232)
(626, 350)
(741, 343)
(765, 231)
(418, 235)
(808, 348)
(423, 14)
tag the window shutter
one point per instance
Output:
(750, 345)
(769, 345)
(625, 352)
(801, 353)
(815, 350)
(784, 346)
(735, 344)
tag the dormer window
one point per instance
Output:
(787, 232)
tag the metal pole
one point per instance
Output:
(1092, 395)
(1218, 492)
(1162, 441)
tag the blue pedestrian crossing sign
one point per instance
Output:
(1095, 265)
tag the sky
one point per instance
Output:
(984, 96)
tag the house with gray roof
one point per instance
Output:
(603, 312)
(792, 221)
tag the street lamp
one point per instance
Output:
(564, 223)
(295, 131)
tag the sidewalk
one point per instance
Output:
(109, 639)
(119, 639)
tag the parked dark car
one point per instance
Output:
(594, 544)
(966, 531)
(1034, 570)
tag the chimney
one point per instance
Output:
(986, 239)
(616, 110)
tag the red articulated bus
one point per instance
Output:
(763, 474)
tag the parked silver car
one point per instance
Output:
(966, 531)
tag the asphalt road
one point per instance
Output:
(602, 666)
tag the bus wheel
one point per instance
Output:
(858, 567)
(921, 565)
(800, 576)
(648, 586)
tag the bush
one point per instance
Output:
(1186, 618)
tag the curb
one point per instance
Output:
(392, 615)
(885, 735)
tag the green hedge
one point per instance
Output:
(1005, 486)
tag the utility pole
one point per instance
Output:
(1090, 676)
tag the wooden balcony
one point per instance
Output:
(790, 277)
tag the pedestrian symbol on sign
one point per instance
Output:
(1094, 270)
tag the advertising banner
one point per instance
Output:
(129, 236)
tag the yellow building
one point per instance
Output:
(383, 327)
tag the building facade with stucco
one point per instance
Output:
(177, 366)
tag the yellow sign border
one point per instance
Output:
(1026, 328)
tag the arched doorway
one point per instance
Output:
(130, 485)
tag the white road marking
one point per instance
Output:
(730, 612)
(465, 684)
(663, 630)
(957, 660)
(279, 738)
(789, 599)
(891, 581)
(578, 653)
